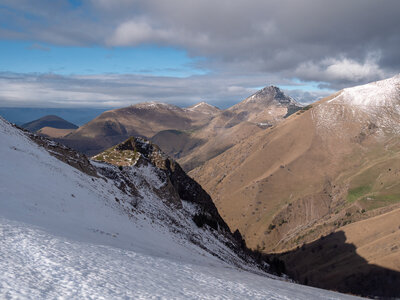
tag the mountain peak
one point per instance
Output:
(204, 107)
(270, 93)
(48, 121)
(202, 103)
(371, 96)
(270, 89)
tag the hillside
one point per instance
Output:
(143, 120)
(365, 251)
(254, 114)
(51, 121)
(193, 148)
(52, 132)
(191, 135)
(72, 228)
(334, 163)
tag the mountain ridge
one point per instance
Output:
(202, 131)
(331, 164)
(52, 121)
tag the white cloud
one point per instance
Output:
(135, 33)
(337, 70)
(50, 90)
(142, 31)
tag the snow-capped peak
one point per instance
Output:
(203, 107)
(201, 104)
(381, 93)
(376, 103)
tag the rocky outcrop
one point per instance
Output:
(177, 181)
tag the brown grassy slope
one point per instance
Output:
(54, 132)
(220, 134)
(281, 185)
(267, 106)
(191, 135)
(239, 178)
(193, 148)
(144, 119)
(322, 169)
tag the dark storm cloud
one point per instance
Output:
(338, 43)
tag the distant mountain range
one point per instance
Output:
(50, 126)
(191, 135)
(22, 115)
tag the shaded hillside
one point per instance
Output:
(48, 121)
(177, 143)
(145, 120)
(348, 272)
(195, 147)
(229, 127)
(52, 132)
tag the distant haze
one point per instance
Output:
(78, 116)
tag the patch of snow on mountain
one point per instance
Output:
(376, 104)
(203, 107)
(382, 93)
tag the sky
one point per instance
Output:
(114, 53)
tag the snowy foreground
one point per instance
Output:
(37, 265)
(62, 237)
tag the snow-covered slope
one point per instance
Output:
(65, 233)
(38, 265)
(373, 95)
(375, 106)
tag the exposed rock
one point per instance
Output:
(178, 183)
(63, 153)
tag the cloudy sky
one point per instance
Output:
(113, 53)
